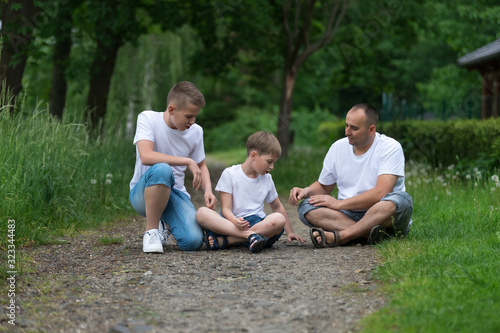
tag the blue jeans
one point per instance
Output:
(179, 213)
(404, 211)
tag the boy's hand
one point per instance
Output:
(241, 223)
(195, 170)
(292, 236)
(210, 200)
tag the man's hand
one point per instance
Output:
(196, 171)
(324, 201)
(297, 194)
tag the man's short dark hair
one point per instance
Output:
(370, 112)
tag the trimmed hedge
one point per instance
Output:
(440, 143)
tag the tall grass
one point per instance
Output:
(56, 180)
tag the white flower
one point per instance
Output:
(497, 184)
(436, 198)
(467, 177)
(448, 192)
(109, 175)
(492, 189)
(93, 181)
(451, 167)
(494, 178)
(107, 182)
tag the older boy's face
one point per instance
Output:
(181, 119)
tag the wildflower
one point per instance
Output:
(436, 198)
(93, 181)
(108, 181)
(497, 184)
(475, 169)
(451, 167)
(495, 178)
(448, 192)
(490, 208)
(467, 177)
(492, 189)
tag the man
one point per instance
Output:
(368, 169)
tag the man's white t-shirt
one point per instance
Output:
(357, 174)
(188, 143)
(249, 194)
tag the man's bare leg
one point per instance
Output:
(382, 213)
(328, 220)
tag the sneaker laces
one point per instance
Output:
(152, 234)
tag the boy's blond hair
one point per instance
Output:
(264, 143)
(184, 93)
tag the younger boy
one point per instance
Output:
(243, 189)
(166, 144)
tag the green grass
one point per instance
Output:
(55, 180)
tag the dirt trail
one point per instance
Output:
(83, 286)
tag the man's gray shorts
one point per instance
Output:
(404, 211)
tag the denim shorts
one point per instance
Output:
(404, 211)
(253, 220)
(180, 211)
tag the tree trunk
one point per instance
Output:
(101, 72)
(60, 61)
(283, 133)
(16, 34)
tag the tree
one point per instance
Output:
(19, 19)
(61, 30)
(299, 25)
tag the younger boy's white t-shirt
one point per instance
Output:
(355, 175)
(249, 194)
(188, 143)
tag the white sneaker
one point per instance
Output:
(164, 231)
(151, 242)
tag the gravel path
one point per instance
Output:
(84, 286)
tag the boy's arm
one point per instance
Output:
(150, 157)
(206, 185)
(277, 207)
(226, 200)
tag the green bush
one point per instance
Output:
(466, 143)
(331, 131)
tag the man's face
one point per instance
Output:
(357, 129)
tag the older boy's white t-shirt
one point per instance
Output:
(357, 174)
(188, 143)
(249, 194)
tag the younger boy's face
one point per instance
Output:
(181, 119)
(264, 163)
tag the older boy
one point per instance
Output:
(243, 189)
(166, 144)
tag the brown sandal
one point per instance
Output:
(323, 242)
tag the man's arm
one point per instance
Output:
(385, 184)
(316, 188)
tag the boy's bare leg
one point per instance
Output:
(156, 198)
(211, 220)
(270, 226)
